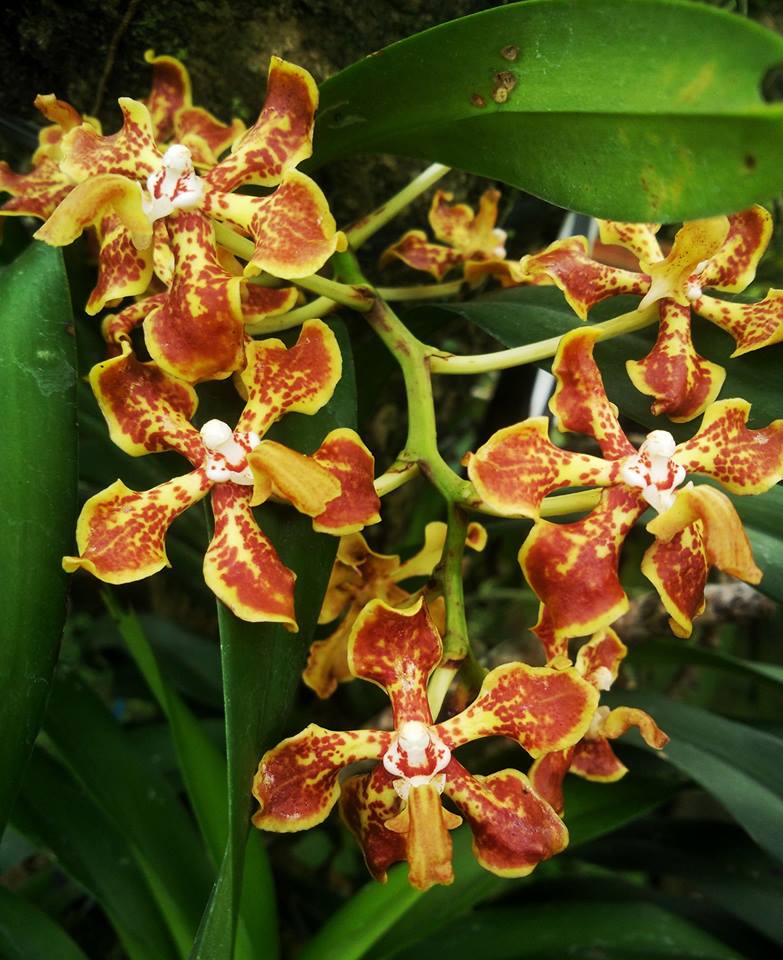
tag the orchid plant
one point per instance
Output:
(241, 329)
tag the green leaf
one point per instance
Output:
(551, 931)
(262, 663)
(387, 917)
(27, 933)
(203, 771)
(646, 111)
(740, 766)
(679, 651)
(94, 852)
(38, 497)
(138, 801)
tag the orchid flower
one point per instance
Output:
(395, 811)
(592, 758)
(572, 567)
(153, 210)
(121, 532)
(720, 253)
(466, 236)
(360, 575)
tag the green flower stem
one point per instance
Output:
(342, 293)
(363, 229)
(558, 506)
(285, 321)
(533, 352)
(398, 474)
(423, 291)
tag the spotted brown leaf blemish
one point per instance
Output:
(510, 52)
(477, 100)
(503, 83)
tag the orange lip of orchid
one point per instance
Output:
(395, 811)
(467, 237)
(720, 253)
(121, 532)
(154, 212)
(598, 662)
(572, 567)
(359, 575)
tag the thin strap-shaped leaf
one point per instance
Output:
(27, 933)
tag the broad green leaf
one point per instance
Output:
(387, 917)
(262, 663)
(528, 314)
(678, 651)
(644, 111)
(27, 933)
(551, 931)
(740, 766)
(203, 771)
(93, 851)
(38, 497)
(137, 799)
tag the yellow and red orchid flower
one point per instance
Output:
(720, 253)
(38, 193)
(572, 567)
(466, 236)
(121, 532)
(395, 811)
(176, 120)
(598, 661)
(127, 180)
(360, 575)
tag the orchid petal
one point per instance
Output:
(518, 466)
(296, 782)
(682, 382)
(367, 801)
(280, 138)
(598, 661)
(299, 379)
(555, 647)
(129, 153)
(171, 90)
(120, 532)
(350, 463)
(595, 760)
(418, 253)
(572, 567)
(205, 135)
(34, 194)
(695, 242)
(743, 461)
(241, 566)
(678, 570)
(116, 327)
(397, 650)
(297, 478)
(327, 664)
(547, 774)
(123, 269)
(752, 325)
(425, 826)
(622, 719)
(639, 238)
(733, 267)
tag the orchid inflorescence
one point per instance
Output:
(160, 198)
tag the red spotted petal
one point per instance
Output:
(510, 273)
(639, 238)
(130, 153)
(725, 543)
(241, 566)
(623, 718)
(513, 828)
(518, 466)
(147, 410)
(34, 194)
(123, 270)
(540, 708)
(696, 241)
(425, 824)
(205, 135)
(580, 402)
(397, 650)
(348, 460)
(294, 477)
(327, 664)
(744, 461)
(296, 782)
(598, 661)
(116, 327)
(548, 773)
(752, 325)
(572, 567)
(120, 533)
(59, 112)
(367, 801)
(89, 202)
(197, 333)
(555, 648)
(678, 570)
(472, 234)
(583, 280)
(280, 138)
(682, 382)
(733, 267)
(418, 253)
(280, 380)
(595, 760)
(171, 90)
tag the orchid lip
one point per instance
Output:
(653, 470)
(175, 185)
(416, 756)
(227, 452)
